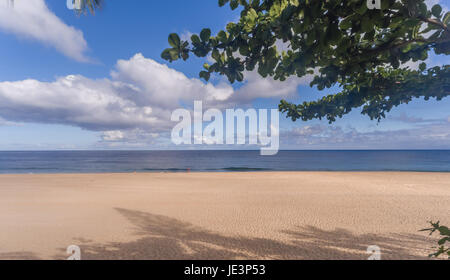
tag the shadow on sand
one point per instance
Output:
(161, 237)
(19, 256)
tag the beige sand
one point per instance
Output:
(298, 215)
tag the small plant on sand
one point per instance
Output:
(443, 243)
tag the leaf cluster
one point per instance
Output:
(340, 42)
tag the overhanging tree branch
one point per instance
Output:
(339, 42)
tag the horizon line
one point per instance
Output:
(218, 150)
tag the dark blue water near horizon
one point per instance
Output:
(221, 161)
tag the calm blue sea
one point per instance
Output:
(222, 161)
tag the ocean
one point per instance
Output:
(221, 161)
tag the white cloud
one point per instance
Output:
(135, 135)
(114, 135)
(4, 122)
(73, 100)
(132, 108)
(33, 20)
(428, 135)
(165, 87)
(138, 98)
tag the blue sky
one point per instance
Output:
(98, 82)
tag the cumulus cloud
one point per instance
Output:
(141, 94)
(137, 99)
(32, 19)
(164, 87)
(73, 100)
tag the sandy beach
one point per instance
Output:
(273, 215)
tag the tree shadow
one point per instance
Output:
(25, 256)
(161, 237)
(348, 245)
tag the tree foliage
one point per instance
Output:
(90, 5)
(444, 232)
(340, 42)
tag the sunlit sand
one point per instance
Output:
(278, 215)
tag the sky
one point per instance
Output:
(70, 82)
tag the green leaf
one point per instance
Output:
(170, 54)
(436, 10)
(346, 23)
(166, 54)
(422, 9)
(443, 240)
(205, 75)
(215, 55)
(363, 9)
(195, 39)
(422, 66)
(223, 2)
(205, 34)
(243, 50)
(446, 19)
(174, 40)
(366, 24)
(252, 15)
(234, 4)
(222, 36)
(444, 230)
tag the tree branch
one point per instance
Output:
(435, 22)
